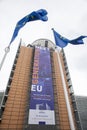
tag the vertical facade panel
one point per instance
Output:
(14, 113)
(63, 122)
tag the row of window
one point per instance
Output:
(71, 93)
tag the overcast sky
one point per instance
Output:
(67, 17)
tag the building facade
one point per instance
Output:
(1, 95)
(39, 93)
(82, 109)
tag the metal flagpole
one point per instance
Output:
(65, 91)
(66, 95)
(7, 49)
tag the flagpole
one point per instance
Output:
(7, 49)
(66, 94)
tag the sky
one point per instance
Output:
(67, 17)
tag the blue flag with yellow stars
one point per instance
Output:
(59, 40)
(35, 15)
(62, 41)
(78, 40)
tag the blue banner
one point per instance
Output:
(42, 99)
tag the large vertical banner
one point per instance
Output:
(41, 99)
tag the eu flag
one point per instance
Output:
(35, 15)
(62, 41)
(78, 40)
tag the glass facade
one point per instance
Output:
(82, 110)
